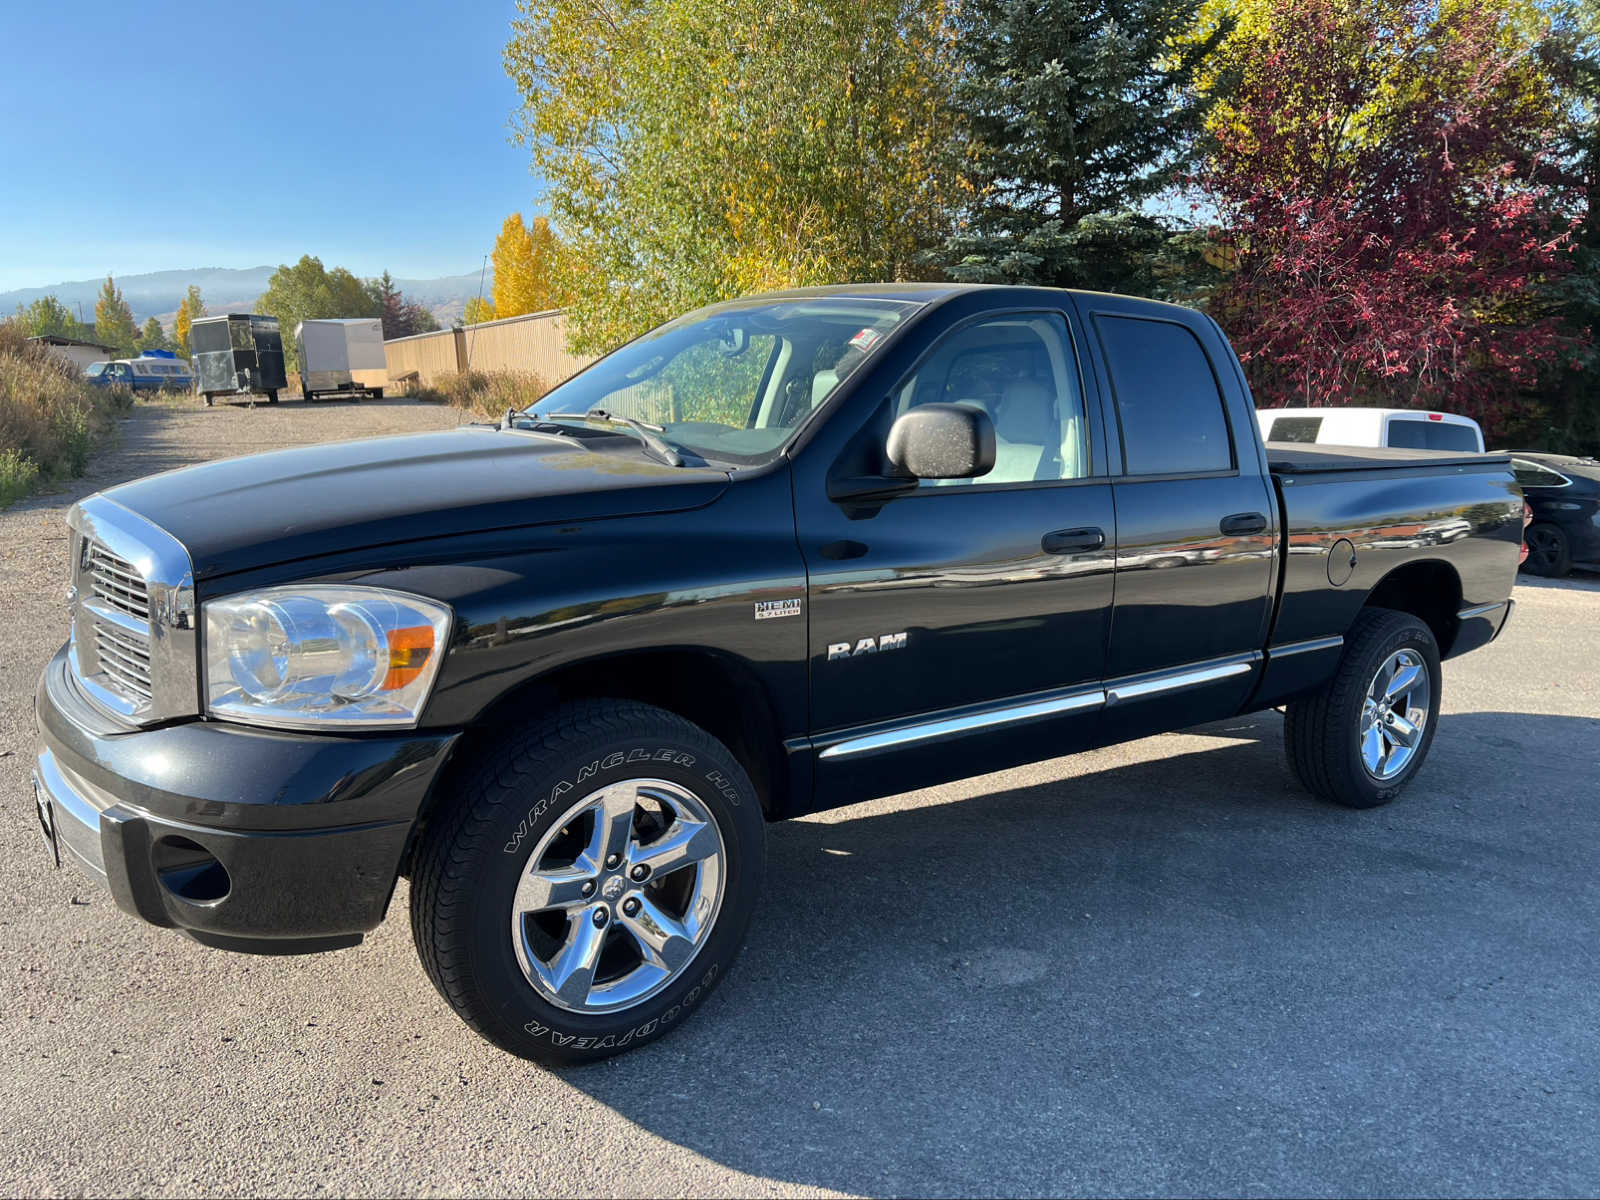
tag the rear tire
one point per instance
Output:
(1549, 552)
(210, 399)
(1345, 742)
(272, 395)
(528, 906)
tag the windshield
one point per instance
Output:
(96, 369)
(734, 381)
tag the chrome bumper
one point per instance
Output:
(73, 815)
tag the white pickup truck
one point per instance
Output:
(1405, 428)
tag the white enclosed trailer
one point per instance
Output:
(341, 357)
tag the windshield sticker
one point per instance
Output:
(866, 339)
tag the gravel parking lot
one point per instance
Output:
(1154, 969)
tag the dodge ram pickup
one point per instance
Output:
(781, 554)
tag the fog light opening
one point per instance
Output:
(189, 871)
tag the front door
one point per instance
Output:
(962, 627)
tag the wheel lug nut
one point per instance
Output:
(588, 888)
(630, 906)
(640, 873)
(600, 918)
(612, 860)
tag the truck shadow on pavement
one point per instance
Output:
(1179, 975)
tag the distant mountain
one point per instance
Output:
(158, 293)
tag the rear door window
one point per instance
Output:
(1169, 406)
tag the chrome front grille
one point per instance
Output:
(134, 642)
(116, 581)
(124, 658)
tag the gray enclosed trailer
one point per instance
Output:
(342, 357)
(239, 352)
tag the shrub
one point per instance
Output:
(50, 418)
(485, 393)
(18, 474)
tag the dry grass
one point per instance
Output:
(485, 393)
(50, 418)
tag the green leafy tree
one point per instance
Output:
(153, 337)
(47, 315)
(707, 148)
(190, 309)
(308, 290)
(113, 319)
(1078, 111)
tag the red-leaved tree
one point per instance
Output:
(1387, 207)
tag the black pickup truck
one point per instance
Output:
(782, 554)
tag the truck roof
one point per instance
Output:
(931, 292)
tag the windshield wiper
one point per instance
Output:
(645, 433)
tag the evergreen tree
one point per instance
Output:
(1567, 416)
(113, 319)
(401, 317)
(153, 337)
(1078, 111)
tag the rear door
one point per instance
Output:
(1196, 518)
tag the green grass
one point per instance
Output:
(50, 418)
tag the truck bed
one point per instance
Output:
(1294, 458)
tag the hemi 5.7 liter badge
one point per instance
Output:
(768, 609)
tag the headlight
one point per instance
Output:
(319, 656)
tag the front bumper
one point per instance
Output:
(251, 839)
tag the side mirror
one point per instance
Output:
(943, 441)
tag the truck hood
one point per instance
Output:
(243, 513)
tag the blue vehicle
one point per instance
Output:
(152, 371)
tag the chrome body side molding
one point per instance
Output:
(1158, 683)
(1081, 699)
(926, 731)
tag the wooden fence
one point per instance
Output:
(535, 343)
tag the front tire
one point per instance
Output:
(589, 881)
(1364, 734)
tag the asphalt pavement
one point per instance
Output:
(1157, 969)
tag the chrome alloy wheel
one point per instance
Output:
(618, 897)
(1395, 714)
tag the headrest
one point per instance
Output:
(1027, 414)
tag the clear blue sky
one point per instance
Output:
(152, 136)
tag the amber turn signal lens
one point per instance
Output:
(409, 651)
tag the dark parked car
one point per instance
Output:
(782, 554)
(1564, 493)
